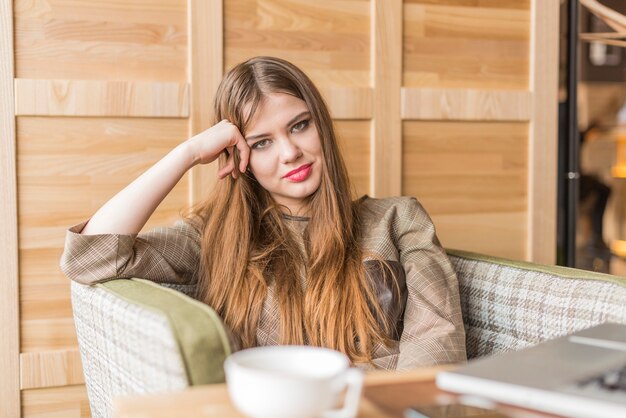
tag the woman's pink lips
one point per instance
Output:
(299, 174)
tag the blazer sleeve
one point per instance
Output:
(163, 255)
(433, 330)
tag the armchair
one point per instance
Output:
(136, 336)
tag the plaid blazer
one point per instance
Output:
(427, 313)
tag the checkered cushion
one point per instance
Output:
(509, 305)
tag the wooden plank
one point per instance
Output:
(206, 63)
(328, 39)
(496, 4)
(51, 368)
(465, 104)
(386, 56)
(57, 402)
(468, 44)
(466, 167)
(101, 40)
(354, 142)
(9, 296)
(101, 98)
(349, 103)
(542, 135)
(48, 334)
(501, 234)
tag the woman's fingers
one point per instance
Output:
(228, 168)
(244, 153)
(243, 150)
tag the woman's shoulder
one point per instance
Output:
(385, 221)
(372, 209)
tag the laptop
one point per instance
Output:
(579, 375)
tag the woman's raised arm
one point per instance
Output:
(129, 210)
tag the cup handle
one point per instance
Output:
(354, 382)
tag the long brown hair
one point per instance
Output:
(247, 247)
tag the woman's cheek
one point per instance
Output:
(261, 169)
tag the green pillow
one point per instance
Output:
(198, 330)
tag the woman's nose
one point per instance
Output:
(289, 151)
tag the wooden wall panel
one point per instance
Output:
(101, 40)
(58, 402)
(471, 61)
(461, 44)
(329, 39)
(94, 158)
(65, 172)
(466, 174)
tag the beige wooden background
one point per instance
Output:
(451, 101)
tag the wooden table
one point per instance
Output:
(385, 395)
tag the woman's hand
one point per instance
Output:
(208, 145)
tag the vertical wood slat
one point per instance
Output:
(9, 298)
(206, 64)
(542, 135)
(386, 68)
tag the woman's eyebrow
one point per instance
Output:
(293, 120)
(298, 116)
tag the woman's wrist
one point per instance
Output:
(187, 153)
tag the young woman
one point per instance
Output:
(279, 249)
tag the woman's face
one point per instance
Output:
(285, 150)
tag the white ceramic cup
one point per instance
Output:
(292, 381)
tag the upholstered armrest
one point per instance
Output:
(509, 305)
(138, 337)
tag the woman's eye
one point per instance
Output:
(261, 144)
(300, 126)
